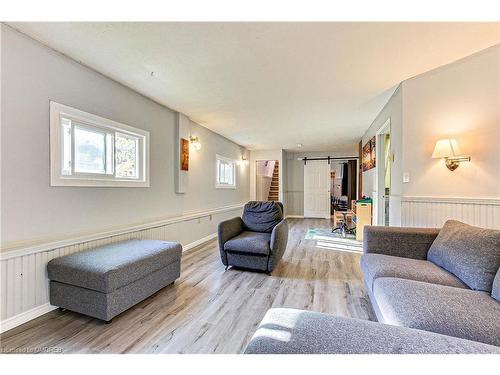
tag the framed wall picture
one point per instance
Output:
(369, 155)
(184, 155)
(374, 154)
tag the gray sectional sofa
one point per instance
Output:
(445, 281)
(290, 331)
(433, 291)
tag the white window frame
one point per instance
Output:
(218, 184)
(84, 119)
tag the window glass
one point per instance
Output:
(90, 151)
(126, 151)
(225, 172)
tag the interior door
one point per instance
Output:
(317, 189)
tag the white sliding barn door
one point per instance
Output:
(317, 189)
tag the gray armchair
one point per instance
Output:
(255, 241)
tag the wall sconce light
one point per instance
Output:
(448, 150)
(195, 142)
(243, 161)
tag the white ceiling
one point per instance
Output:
(269, 85)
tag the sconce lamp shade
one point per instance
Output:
(446, 148)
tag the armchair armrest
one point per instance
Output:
(279, 239)
(401, 242)
(225, 231)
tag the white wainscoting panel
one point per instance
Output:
(24, 284)
(433, 212)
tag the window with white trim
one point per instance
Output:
(88, 150)
(226, 172)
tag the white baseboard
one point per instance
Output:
(199, 242)
(294, 216)
(26, 316)
(35, 312)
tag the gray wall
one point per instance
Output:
(462, 101)
(33, 74)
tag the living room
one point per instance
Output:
(250, 187)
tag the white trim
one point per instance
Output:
(35, 312)
(199, 242)
(18, 249)
(25, 316)
(107, 125)
(433, 212)
(476, 201)
(294, 216)
(378, 204)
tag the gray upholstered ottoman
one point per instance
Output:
(105, 281)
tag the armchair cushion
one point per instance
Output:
(254, 243)
(470, 253)
(262, 216)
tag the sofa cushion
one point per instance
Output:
(110, 267)
(380, 265)
(290, 331)
(262, 216)
(458, 312)
(470, 253)
(255, 243)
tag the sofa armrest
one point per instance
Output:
(279, 240)
(401, 242)
(225, 231)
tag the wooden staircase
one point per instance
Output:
(275, 183)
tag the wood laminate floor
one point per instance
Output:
(209, 310)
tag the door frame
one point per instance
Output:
(378, 208)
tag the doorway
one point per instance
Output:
(267, 180)
(344, 184)
(383, 168)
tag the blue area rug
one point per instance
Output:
(315, 233)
